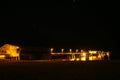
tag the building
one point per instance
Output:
(79, 55)
(9, 51)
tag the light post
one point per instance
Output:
(51, 50)
(62, 50)
(108, 55)
(70, 50)
(76, 50)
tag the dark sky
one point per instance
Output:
(71, 24)
(88, 30)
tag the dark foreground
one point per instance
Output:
(57, 70)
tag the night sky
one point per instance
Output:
(61, 24)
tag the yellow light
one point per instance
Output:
(70, 50)
(94, 58)
(84, 54)
(51, 50)
(11, 50)
(83, 58)
(90, 58)
(77, 59)
(93, 52)
(72, 59)
(108, 54)
(99, 56)
(76, 50)
(62, 50)
(2, 56)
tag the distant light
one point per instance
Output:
(70, 50)
(84, 54)
(83, 58)
(108, 54)
(77, 59)
(72, 59)
(51, 50)
(94, 57)
(99, 56)
(90, 58)
(93, 52)
(63, 59)
(62, 50)
(76, 50)
(2, 56)
(82, 50)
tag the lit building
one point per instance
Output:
(82, 55)
(9, 51)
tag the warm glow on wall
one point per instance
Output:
(2, 56)
(83, 58)
(84, 54)
(99, 56)
(12, 50)
(77, 59)
(90, 58)
(93, 52)
(94, 58)
(72, 59)
(9, 50)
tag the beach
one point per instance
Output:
(59, 70)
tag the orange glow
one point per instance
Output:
(93, 52)
(99, 56)
(94, 57)
(2, 56)
(83, 58)
(77, 59)
(84, 54)
(72, 59)
(90, 58)
(10, 50)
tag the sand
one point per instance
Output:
(59, 70)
